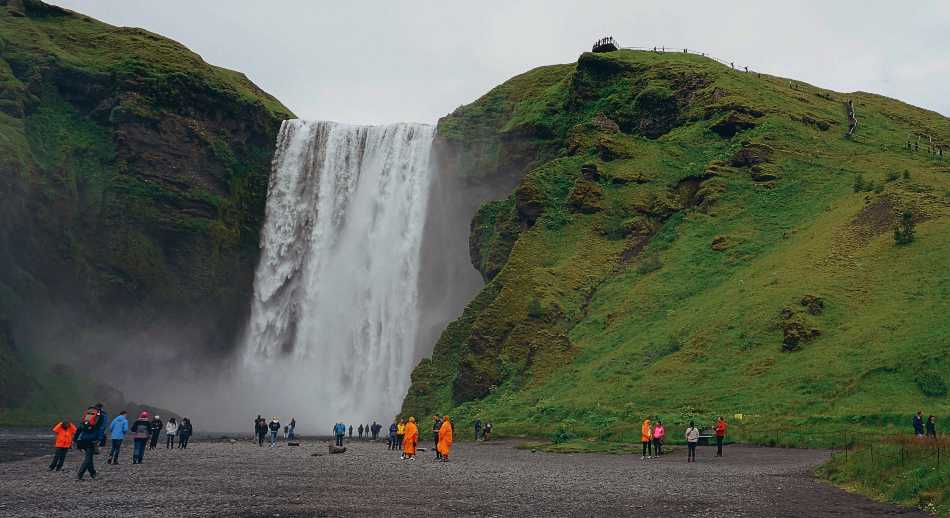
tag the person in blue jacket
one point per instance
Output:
(392, 436)
(117, 431)
(339, 430)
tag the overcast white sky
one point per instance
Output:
(387, 61)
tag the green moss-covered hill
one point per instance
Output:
(687, 240)
(133, 177)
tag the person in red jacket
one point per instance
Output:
(720, 435)
(65, 430)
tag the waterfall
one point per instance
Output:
(333, 324)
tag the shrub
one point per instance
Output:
(878, 188)
(931, 383)
(535, 310)
(650, 263)
(904, 230)
(892, 176)
(562, 434)
(906, 174)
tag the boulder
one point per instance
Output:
(813, 304)
(337, 449)
(587, 197)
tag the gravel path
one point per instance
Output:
(486, 479)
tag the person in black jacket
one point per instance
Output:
(184, 433)
(156, 430)
(261, 428)
(436, 425)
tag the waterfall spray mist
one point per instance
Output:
(334, 318)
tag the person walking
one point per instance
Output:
(692, 439)
(436, 427)
(360, 431)
(393, 428)
(919, 425)
(932, 427)
(65, 430)
(156, 429)
(410, 440)
(659, 432)
(141, 433)
(339, 430)
(720, 435)
(274, 429)
(351, 432)
(400, 433)
(184, 433)
(291, 428)
(117, 431)
(444, 444)
(646, 438)
(87, 437)
(261, 430)
(171, 430)
(478, 428)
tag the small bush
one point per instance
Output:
(931, 384)
(893, 176)
(905, 228)
(859, 183)
(906, 174)
(650, 263)
(878, 188)
(535, 310)
(562, 434)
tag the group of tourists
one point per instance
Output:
(404, 436)
(654, 434)
(263, 427)
(925, 429)
(90, 435)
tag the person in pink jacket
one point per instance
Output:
(659, 432)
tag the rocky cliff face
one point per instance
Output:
(669, 213)
(134, 177)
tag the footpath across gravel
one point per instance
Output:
(485, 479)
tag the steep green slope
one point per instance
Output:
(686, 241)
(133, 176)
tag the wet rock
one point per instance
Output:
(336, 449)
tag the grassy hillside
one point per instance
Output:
(134, 177)
(688, 241)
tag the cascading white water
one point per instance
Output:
(333, 322)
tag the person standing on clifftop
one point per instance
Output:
(720, 435)
(65, 430)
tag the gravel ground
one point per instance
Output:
(219, 478)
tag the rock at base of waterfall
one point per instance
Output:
(337, 449)
(293, 443)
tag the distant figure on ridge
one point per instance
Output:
(117, 431)
(445, 439)
(720, 435)
(410, 440)
(141, 432)
(65, 430)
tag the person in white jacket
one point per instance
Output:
(692, 438)
(171, 430)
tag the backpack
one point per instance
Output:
(90, 420)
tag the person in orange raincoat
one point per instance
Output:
(445, 439)
(65, 431)
(646, 437)
(410, 439)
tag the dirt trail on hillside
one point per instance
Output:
(491, 479)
